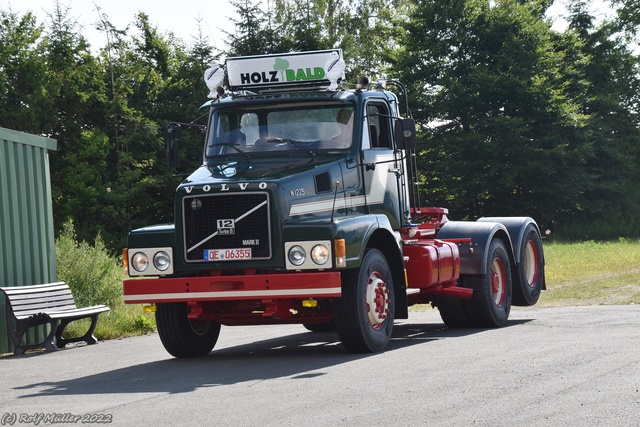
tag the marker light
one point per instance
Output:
(125, 261)
(341, 253)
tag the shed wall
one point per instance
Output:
(27, 245)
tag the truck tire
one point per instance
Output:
(184, 337)
(491, 302)
(530, 277)
(321, 327)
(454, 312)
(365, 312)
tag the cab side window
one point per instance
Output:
(378, 125)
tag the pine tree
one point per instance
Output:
(24, 105)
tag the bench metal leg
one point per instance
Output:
(89, 338)
(21, 329)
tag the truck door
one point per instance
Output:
(381, 165)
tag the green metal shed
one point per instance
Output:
(27, 242)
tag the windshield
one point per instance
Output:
(257, 129)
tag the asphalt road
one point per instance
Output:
(571, 366)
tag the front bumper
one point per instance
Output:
(233, 288)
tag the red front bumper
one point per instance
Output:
(233, 288)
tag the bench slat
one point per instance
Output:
(32, 297)
(46, 305)
(11, 290)
(28, 300)
(27, 296)
(79, 312)
(28, 313)
(43, 302)
(68, 312)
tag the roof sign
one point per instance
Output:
(317, 68)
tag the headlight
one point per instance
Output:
(320, 254)
(140, 262)
(161, 261)
(297, 255)
(150, 261)
(308, 255)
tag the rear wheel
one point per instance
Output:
(455, 311)
(184, 337)
(530, 277)
(321, 327)
(491, 301)
(365, 312)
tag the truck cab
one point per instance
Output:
(302, 212)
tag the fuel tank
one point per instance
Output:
(431, 263)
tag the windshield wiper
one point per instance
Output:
(297, 144)
(226, 144)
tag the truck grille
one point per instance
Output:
(226, 227)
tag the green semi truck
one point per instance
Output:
(306, 210)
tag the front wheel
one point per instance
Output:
(491, 302)
(184, 337)
(366, 310)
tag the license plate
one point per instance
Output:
(227, 254)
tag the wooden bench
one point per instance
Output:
(53, 304)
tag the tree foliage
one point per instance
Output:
(628, 15)
(508, 110)
(502, 121)
(23, 103)
(609, 100)
(515, 117)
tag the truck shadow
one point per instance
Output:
(291, 357)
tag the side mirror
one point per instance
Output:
(172, 132)
(405, 134)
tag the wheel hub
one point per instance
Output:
(377, 301)
(498, 288)
(199, 326)
(531, 263)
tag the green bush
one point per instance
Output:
(95, 277)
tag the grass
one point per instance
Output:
(123, 321)
(592, 273)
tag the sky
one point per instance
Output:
(181, 17)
